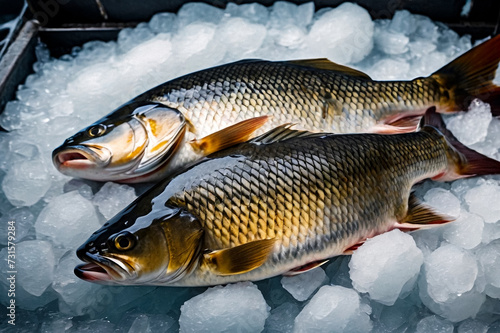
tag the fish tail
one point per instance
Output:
(463, 161)
(471, 76)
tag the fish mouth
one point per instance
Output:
(104, 270)
(80, 157)
(92, 272)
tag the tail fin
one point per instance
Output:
(470, 76)
(468, 162)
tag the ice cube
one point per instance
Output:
(140, 324)
(128, 38)
(448, 286)
(23, 148)
(92, 326)
(390, 42)
(395, 318)
(112, 198)
(285, 14)
(23, 220)
(447, 41)
(10, 119)
(282, 318)
(472, 126)
(163, 23)
(495, 327)
(98, 81)
(426, 29)
(403, 22)
(35, 265)
(235, 307)
(434, 324)
(305, 13)
(31, 302)
(70, 288)
(26, 183)
(193, 39)
(491, 232)
(472, 326)
(334, 309)
(303, 285)
(460, 186)
(56, 323)
(147, 56)
(457, 307)
(198, 12)
(389, 69)
(343, 34)
(67, 220)
(254, 12)
(82, 186)
(465, 232)
(450, 271)
(386, 266)
(274, 293)
(421, 48)
(292, 37)
(489, 259)
(482, 201)
(443, 202)
(248, 39)
(428, 64)
(150, 323)
(93, 52)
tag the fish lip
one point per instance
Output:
(92, 157)
(106, 270)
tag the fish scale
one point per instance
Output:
(343, 208)
(313, 98)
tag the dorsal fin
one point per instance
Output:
(323, 63)
(282, 133)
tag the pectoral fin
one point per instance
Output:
(228, 136)
(240, 259)
(420, 216)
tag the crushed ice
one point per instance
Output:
(434, 280)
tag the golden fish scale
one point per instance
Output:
(315, 99)
(311, 193)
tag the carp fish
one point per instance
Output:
(282, 203)
(192, 116)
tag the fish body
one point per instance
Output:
(279, 204)
(174, 121)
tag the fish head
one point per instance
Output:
(158, 248)
(135, 140)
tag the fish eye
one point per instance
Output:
(97, 130)
(124, 241)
